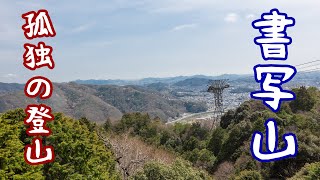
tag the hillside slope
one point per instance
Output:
(96, 102)
(225, 151)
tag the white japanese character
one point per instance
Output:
(271, 77)
(274, 39)
(272, 153)
(34, 154)
(37, 115)
(38, 24)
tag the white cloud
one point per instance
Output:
(250, 16)
(83, 27)
(97, 44)
(184, 26)
(10, 75)
(184, 6)
(180, 6)
(29, 5)
(135, 27)
(231, 18)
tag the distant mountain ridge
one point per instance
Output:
(167, 80)
(191, 82)
(97, 102)
(101, 99)
(10, 87)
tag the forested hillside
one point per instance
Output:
(79, 154)
(82, 153)
(143, 147)
(225, 152)
(100, 102)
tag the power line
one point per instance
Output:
(310, 70)
(307, 63)
(310, 66)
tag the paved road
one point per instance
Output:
(192, 117)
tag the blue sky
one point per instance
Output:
(132, 39)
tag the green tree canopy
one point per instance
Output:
(304, 101)
(178, 170)
(78, 152)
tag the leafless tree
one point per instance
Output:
(131, 153)
(224, 171)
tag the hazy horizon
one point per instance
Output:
(143, 78)
(122, 39)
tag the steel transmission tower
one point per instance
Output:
(217, 87)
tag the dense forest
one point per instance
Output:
(140, 147)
